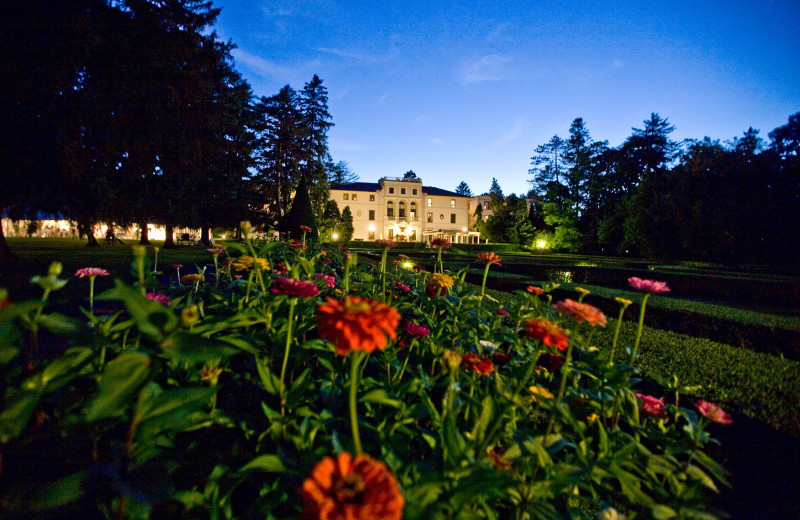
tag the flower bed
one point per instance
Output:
(264, 390)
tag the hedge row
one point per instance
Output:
(757, 385)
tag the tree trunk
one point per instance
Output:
(6, 253)
(205, 235)
(169, 239)
(144, 240)
(87, 229)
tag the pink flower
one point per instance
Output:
(401, 286)
(489, 258)
(648, 285)
(177, 266)
(305, 229)
(163, 299)
(294, 287)
(581, 312)
(330, 281)
(533, 289)
(502, 312)
(440, 242)
(280, 269)
(652, 406)
(326, 261)
(713, 412)
(415, 330)
(90, 271)
(296, 244)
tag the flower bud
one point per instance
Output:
(451, 360)
(139, 251)
(55, 269)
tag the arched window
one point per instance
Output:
(402, 207)
(390, 209)
(413, 211)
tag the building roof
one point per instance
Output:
(430, 190)
(357, 186)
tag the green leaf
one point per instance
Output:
(121, 378)
(268, 463)
(487, 413)
(14, 418)
(191, 348)
(64, 326)
(700, 475)
(271, 382)
(52, 283)
(10, 336)
(152, 318)
(58, 493)
(171, 410)
(662, 512)
(57, 372)
(379, 396)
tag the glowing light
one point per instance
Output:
(464, 230)
(408, 265)
(541, 244)
(335, 236)
(372, 227)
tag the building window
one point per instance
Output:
(354, 197)
(430, 217)
(402, 191)
(346, 196)
(372, 214)
(391, 190)
(402, 207)
(413, 235)
(452, 218)
(413, 211)
(430, 202)
(414, 191)
(371, 235)
(485, 204)
(391, 233)
(452, 203)
(372, 198)
(390, 209)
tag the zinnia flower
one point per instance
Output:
(294, 287)
(652, 406)
(215, 250)
(502, 312)
(442, 280)
(401, 286)
(581, 312)
(582, 291)
(440, 242)
(351, 488)
(547, 332)
(305, 229)
(189, 279)
(535, 290)
(477, 364)
(648, 285)
(330, 281)
(90, 271)
(489, 258)
(539, 391)
(190, 315)
(714, 412)
(386, 243)
(500, 359)
(623, 301)
(415, 330)
(280, 269)
(246, 263)
(357, 324)
(550, 361)
(163, 299)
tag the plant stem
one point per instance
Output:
(355, 359)
(641, 325)
(616, 334)
(292, 303)
(485, 274)
(91, 294)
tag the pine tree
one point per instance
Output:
(301, 213)
(463, 189)
(346, 228)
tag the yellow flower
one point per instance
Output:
(246, 263)
(190, 315)
(442, 280)
(623, 301)
(189, 279)
(541, 392)
(582, 290)
(209, 374)
(592, 417)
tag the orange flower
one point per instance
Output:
(489, 258)
(581, 312)
(549, 333)
(357, 324)
(478, 364)
(351, 488)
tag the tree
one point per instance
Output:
(409, 175)
(331, 218)
(463, 189)
(301, 213)
(313, 104)
(547, 170)
(346, 228)
(340, 173)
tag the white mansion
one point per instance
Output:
(403, 209)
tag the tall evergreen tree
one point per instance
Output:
(463, 189)
(548, 170)
(313, 104)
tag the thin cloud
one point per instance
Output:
(362, 57)
(266, 68)
(514, 132)
(488, 68)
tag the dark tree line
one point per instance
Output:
(131, 111)
(699, 199)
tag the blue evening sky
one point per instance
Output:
(466, 90)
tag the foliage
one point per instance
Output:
(463, 189)
(345, 227)
(300, 214)
(185, 409)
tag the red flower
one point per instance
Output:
(714, 412)
(550, 361)
(440, 242)
(500, 359)
(357, 324)
(548, 333)
(351, 488)
(294, 287)
(652, 406)
(502, 312)
(432, 289)
(415, 330)
(477, 364)
(648, 285)
(305, 229)
(581, 312)
(489, 258)
(281, 269)
(533, 289)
